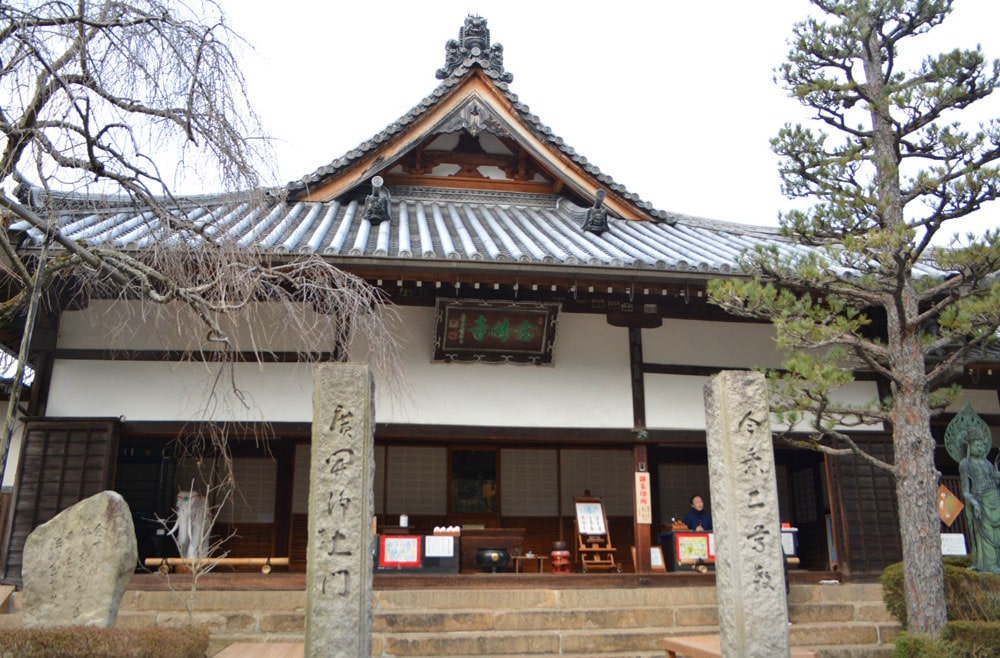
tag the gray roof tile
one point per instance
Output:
(435, 225)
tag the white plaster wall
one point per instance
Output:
(722, 344)
(678, 402)
(155, 390)
(587, 387)
(675, 401)
(122, 325)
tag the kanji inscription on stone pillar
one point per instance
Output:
(750, 588)
(341, 504)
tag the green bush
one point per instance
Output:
(90, 642)
(973, 601)
(975, 639)
(892, 592)
(972, 595)
(969, 595)
(921, 646)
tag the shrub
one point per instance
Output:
(91, 642)
(892, 592)
(975, 639)
(922, 646)
(969, 595)
(972, 595)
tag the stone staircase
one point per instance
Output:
(836, 621)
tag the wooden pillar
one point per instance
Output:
(638, 383)
(640, 464)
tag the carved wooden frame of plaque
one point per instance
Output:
(489, 331)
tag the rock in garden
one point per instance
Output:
(77, 565)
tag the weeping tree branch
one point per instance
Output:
(106, 106)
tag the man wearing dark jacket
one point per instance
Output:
(698, 519)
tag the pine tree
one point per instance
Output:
(889, 169)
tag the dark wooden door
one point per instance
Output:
(866, 516)
(61, 463)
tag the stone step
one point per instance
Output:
(543, 598)
(853, 651)
(403, 621)
(843, 633)
(493, 599)
(547, 619)
(297, 650)
(501, 598)
(588, 654)
(599, 641)
(841, 592)
(827, 639)
(838, 621)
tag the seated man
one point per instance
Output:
(698, 519)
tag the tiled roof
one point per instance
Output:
(437, 225)
(540, 130)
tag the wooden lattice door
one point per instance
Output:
(61, 463)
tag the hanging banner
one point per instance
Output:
(643, 500)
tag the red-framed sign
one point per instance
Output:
(399, 551)
(694, 546)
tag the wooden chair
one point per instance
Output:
(594, 550)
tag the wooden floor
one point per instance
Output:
(277, 581)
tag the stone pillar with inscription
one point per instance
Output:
(341, 505)
(750, 588)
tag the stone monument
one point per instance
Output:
(78, 564)
(341, 506)
(750, 588)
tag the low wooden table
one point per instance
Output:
(709, 646)
(519, 561)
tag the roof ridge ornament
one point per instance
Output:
(377, 204)
(473, 47)
(597, 216)
(476, 117)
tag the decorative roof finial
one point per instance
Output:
(473, 47)
(377, 208)
(597, 217)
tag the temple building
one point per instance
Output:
(554, 338)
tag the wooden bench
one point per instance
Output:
(709, 646)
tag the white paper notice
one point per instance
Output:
(435, 546)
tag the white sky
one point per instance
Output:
(675, 99)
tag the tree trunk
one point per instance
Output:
(920, 527)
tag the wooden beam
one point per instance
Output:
(638, 378)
